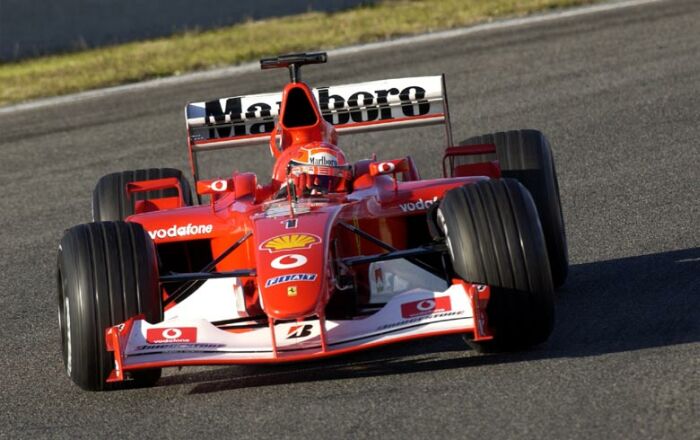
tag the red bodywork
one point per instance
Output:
(305, 240)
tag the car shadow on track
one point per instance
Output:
(605, 307)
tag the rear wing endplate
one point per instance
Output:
(353, 108)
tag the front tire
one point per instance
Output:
(494, 237)
(107, 273)
(525, 155)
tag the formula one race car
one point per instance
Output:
(327, 257)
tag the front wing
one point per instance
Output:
(417, 313)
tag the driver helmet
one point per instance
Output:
(318, 168)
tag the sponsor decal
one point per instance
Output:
(292, 291)
(289, 261)
(359, 106)
(171, 335)
(322, 157)
(386, 167)
(281, 279)
(181, 231)
(419, 205)
(288, 242)
(234, 112)
(220, 185)
(419, 319)
(180, 347)
(426, 306)
(365, 106)
(299, 331)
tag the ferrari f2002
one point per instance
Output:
(325, 256)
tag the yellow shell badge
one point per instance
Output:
(288, 242)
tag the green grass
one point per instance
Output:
(191, 51)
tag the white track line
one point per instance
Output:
(253, 66)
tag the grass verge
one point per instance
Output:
(191, 51)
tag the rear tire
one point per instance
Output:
(495, 238)
(107, 273)
(525, 155)
(110, 200)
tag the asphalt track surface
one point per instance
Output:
(617, 93)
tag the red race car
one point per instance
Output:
(325, 258)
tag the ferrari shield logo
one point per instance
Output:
(292, 291)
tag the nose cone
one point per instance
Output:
(291, 268)
(291, 287)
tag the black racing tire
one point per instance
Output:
(525, 155)
(111, 202)
(494, 237)
(107, 273)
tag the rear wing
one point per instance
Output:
(352, 108)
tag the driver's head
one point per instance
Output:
(319, 168)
